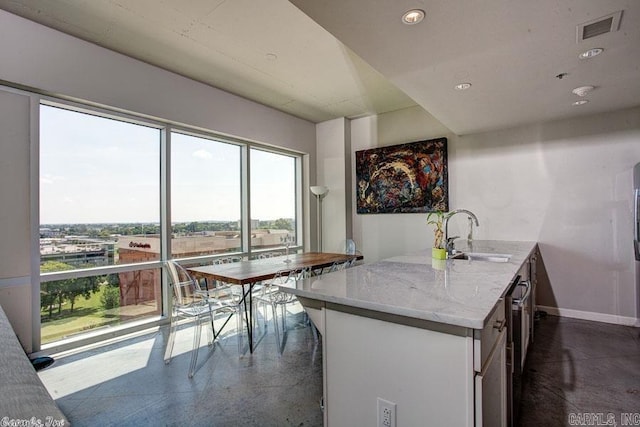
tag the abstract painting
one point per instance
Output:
(405, 178)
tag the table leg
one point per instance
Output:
(248, 314)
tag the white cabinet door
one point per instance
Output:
(491, 387)
(427, 374)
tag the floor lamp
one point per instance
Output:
(320, 191)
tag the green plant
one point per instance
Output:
(110, 297)
(436, 219)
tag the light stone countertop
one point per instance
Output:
(455, 292)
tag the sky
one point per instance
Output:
(99, 170)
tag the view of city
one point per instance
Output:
(75, 305)
(92, 245)
(101, 191)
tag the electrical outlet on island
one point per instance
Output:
(386, 413)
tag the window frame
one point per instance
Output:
(298, 171)
(166, 129)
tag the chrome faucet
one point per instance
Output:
(449, 240)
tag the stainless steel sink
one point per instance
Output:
(481, 256)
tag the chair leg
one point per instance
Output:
(285, 316)
(264, 314)
(212, 332)
(239, 330)
(274, 309)
(213, 328)
(171, 340)
(283, 308)
(196, 346)
(308, 322)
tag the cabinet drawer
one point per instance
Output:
(485, 339)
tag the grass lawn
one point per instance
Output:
(86, 315)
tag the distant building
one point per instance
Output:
(144, 285)
(80, 252)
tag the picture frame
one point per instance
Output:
(405, 178)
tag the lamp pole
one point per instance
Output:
(320, 192)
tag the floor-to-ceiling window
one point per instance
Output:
(274, 186)
(105, 181)
(206, 196)
(99, 206)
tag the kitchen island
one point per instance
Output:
(425, 339)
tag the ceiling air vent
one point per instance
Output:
(606, 24)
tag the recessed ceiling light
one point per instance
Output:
(462, 86)
(271, 56)
(580, 102)
(413, 16)
(582, 90)
(591, 53)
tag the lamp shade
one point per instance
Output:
(319, 190)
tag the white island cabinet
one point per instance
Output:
(426, 340)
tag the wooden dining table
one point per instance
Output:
(248, 273)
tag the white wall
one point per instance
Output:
(566, 184)
(51, 62)
(15, 250)
(332, 139)
(384, 235)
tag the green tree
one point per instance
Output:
(110, 297)
(82, 286)
(58, 291)
(54, 292)
(283, 224)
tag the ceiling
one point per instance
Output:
(271, 52)
(509, 50)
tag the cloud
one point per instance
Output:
(50, 179)
(202, 154)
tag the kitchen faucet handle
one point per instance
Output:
(450, 245)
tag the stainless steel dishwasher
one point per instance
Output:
(518, 314)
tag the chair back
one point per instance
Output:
(280, 278)
(285, 276)
(185, 289)
(349, 247)
(305, 273)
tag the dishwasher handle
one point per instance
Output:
(520, 301)
(636, 217)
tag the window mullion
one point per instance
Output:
(246, 199)
(34, 161)
(165, 193)
(299, 225)
(165, 212)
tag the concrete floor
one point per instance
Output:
(579, 368)
(574, 367)
(128, 384)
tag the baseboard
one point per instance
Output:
(590, 315)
